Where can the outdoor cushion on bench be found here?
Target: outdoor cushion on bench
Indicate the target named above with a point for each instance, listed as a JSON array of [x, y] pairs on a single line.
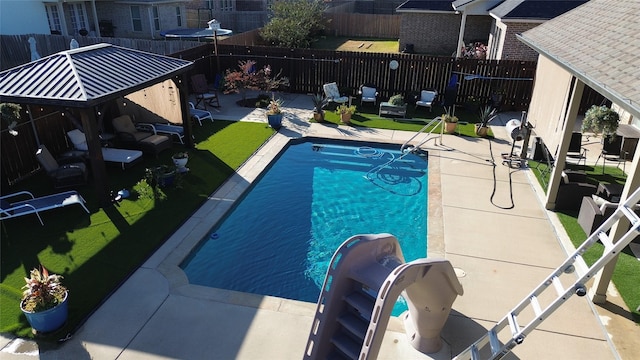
[[164, 129], [123, 157], [33, 205]]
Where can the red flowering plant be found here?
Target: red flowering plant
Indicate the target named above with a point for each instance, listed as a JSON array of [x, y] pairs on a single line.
[[248, 78]]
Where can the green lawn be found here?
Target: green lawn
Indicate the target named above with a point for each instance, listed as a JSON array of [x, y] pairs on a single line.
[[342, 43]]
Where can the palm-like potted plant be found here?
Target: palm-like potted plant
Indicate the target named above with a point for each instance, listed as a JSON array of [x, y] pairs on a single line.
[[274, 113], [601, 120], [44, 300], [486, 114], [345, 112], [319, 102], [450, 122]]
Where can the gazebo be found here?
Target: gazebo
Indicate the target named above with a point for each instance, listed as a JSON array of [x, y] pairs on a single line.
[[84, 78]]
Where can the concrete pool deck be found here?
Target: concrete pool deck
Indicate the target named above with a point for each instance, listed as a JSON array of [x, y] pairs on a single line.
[[487, 220]]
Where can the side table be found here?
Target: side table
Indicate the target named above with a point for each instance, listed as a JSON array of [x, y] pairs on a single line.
[[388, 109]]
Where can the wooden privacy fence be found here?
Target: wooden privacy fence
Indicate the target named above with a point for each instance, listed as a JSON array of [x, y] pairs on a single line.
[[309, 69]]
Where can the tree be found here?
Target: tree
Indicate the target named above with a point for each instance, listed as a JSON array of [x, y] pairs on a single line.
[[294, 23]]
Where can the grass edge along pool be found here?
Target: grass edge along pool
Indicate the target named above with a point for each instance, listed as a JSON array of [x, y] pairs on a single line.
[[278, 238]]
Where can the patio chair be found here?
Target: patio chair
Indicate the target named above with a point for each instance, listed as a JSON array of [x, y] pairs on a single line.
[[368, 94], [146, 141], [612, 151], [427, 97], [333, 93], [123, 157], [576, 150], [199, 114], [65, 172], [32, 205], [204, 94]]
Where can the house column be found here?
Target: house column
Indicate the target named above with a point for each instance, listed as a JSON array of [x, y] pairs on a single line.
[[183, 92], [569, 122], [63, 20], [598, 292], [463, 24], [95, 18]]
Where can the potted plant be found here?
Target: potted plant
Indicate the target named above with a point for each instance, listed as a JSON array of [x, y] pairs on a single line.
[[161, 175], [397, 100], [319, 102], [601, 119], [274, 113], [44, 301], [486, 114], [345, 112], [180, 161], [11, 113], [450, 122]]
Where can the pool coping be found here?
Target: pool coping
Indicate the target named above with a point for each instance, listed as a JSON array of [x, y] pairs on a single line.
[[179, 246]]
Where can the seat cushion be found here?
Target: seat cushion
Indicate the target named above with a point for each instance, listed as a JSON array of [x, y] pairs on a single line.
[[368, 93], [123, 123], [78, 140]]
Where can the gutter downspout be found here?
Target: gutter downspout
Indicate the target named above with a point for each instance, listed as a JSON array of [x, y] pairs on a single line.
[[463, 24]]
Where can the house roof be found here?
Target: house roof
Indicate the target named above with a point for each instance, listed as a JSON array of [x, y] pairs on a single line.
[[533, 9], [425, 6], [87, 76], [597, 43]]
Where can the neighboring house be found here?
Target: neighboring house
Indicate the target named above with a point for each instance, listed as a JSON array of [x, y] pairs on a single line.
[[592, 45], [444, 27], [18, 17], [140, 19], [512, 17]]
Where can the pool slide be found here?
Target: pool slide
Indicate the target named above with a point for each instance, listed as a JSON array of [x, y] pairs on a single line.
[[365, 277]]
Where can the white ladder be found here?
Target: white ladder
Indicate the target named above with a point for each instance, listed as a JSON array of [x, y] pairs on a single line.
[[532, 304]]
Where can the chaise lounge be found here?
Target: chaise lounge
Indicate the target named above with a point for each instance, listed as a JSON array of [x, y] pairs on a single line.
[[145, 141], [34, 205]]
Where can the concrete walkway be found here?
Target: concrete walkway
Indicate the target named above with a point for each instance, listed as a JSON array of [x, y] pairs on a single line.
[[486, 218]]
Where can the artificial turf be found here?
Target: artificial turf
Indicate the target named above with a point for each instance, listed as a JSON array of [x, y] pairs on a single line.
[[96, 252]]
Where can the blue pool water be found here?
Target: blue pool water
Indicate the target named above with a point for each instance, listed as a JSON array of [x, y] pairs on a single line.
[[279, 239]]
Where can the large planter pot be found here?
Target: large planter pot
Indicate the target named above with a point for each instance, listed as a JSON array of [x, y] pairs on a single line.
[[482, 131], [450, 127], [181, 164], [318, 117], [48, 320], [275, 121], [346, 118]]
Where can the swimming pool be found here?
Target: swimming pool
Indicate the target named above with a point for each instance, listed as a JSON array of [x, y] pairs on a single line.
[[279, 238]]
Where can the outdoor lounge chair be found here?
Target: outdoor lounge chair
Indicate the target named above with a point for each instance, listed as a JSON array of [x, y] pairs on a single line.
[[368, 94], [333, 93], [427, 97], [32, 205], [65, 172], [576, 150], [612, 151], [123, 157], [163, 129], [199, 114], [204, 94], [145, 141]]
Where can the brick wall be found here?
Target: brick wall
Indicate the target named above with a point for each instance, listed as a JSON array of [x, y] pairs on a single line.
[[514, 49], [433, 34]]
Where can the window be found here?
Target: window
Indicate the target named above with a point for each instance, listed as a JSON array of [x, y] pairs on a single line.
[[156, 18], [178, 16], [226, 5], [54, 18], [78, 16], [136, 18]]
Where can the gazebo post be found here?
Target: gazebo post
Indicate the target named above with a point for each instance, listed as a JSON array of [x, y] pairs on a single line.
[[99, 170], [181, 85]]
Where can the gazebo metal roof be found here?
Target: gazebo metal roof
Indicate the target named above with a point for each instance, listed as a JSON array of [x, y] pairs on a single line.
[[87, 76]]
